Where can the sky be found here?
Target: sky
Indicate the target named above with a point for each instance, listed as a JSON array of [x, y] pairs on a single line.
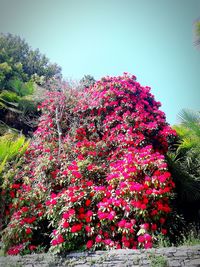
[[152, 39]]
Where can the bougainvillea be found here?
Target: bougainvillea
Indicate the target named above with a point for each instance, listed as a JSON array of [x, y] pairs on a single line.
[[94, 175]]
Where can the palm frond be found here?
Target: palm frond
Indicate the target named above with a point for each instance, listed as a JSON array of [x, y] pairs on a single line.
[[191, 120], [2, 164], [4, 128], [11, 146], [9, 96], [187, 185]]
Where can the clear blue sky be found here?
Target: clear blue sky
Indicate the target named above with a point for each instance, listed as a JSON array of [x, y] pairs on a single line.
[[151, 39]]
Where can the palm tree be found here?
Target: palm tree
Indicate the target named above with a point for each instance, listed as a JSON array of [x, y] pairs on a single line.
[[12, 147], [197, 32], [184, 163]]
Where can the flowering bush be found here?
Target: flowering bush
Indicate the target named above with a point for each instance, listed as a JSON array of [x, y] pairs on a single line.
[[94, 175]]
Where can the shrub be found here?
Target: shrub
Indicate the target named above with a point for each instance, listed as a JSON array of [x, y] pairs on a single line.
[[94, 175]]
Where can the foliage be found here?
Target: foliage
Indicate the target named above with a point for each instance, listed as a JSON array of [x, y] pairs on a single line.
[[21, 69], [197, 32], [20, 88], [18, 110], [12, 147], [94, 175], [184, 164], [191, 237], [87, 81], [25, 63], [158, 261]]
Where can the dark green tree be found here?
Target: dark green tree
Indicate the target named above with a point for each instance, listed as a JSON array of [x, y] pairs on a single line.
[[87, 81], [197, 32], [25, 62], [22, 69], [184, 164]]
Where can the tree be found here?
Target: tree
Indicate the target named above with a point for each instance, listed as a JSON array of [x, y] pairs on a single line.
[[184, 164], [21, 71], [94, 175], [16, 51], [12, 147], [87, 81], [197, 32]]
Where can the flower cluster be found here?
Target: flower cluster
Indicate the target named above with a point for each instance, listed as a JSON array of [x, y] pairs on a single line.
[[95, 171]]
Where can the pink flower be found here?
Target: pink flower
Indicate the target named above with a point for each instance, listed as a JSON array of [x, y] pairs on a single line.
[[77, 174], [148, 245], [111, 215], [89, 213], [147, 237], [88, 228], [98, 239], [108, 242], [54, 242], [141, 239], [66, 215], [144, 226], [71, 212], [122, 223], [60, 239], [102, 215], [90, 167]]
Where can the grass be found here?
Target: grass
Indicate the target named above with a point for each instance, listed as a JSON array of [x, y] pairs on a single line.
[[191, 238], [158, 261], [2, 253], [163, 241]]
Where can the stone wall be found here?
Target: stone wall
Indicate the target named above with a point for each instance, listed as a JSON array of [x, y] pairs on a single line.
[[163, 257]]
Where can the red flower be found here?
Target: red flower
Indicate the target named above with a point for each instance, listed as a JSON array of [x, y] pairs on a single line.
[[77, 174], [88, 202], [162, 220], [12, 194], [16, 186], [154, 227], [32, 247], [40, 213], [88, 228], [164, 231], [28, 231], [76, 228], [89, 244], [24, 209], [81, 210], [54, 201], [60, 239], [65, 224]]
